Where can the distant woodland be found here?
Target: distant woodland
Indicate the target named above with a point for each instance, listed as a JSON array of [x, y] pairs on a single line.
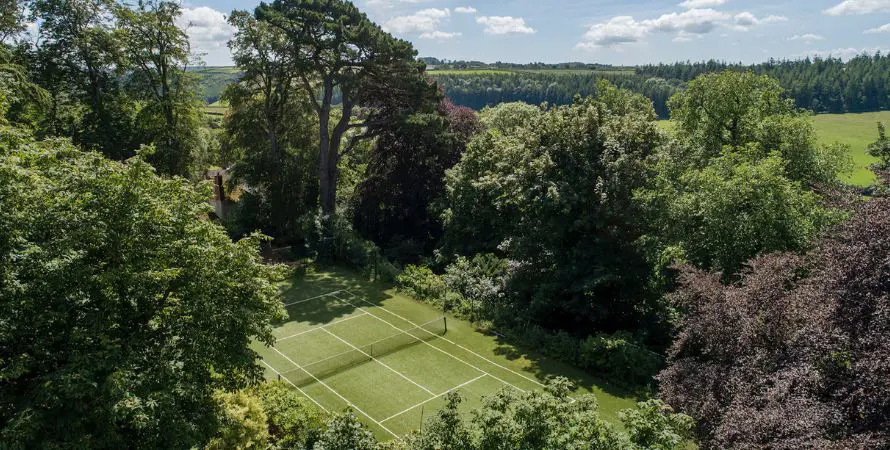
[[823, 85]]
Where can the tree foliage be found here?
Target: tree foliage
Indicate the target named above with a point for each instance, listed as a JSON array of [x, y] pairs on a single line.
[[79, 60], [817, 84], [822, 85], [559, 188], [122, 310], [793, 355], [881, 148], [158, 53], [335, 49], [404, 180], [549, 419], [738, 178], [269, 129]]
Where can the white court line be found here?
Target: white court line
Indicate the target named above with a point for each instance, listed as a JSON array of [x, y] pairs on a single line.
[[295, 386], [431, 345], [337, 394], [431, 399], [312, 298], [379, 361], [319, 328], [446, 340]]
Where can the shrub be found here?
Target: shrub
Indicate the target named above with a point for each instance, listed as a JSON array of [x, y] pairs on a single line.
[[293, 422], [421, 283], [479, 280], [620, 357], [334, 240], [242, 422], [653, 425]]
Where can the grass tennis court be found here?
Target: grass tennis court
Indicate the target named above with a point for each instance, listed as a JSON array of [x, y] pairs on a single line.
[[391, 359]]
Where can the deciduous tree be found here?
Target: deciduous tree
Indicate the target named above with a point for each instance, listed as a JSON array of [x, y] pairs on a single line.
[[404, 181], [795, 354], [121, 309], [159, 52], [79, 58], [553, 191], [338, 52]]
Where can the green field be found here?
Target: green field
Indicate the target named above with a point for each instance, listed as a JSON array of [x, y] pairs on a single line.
[[854, 129], [348, 343]]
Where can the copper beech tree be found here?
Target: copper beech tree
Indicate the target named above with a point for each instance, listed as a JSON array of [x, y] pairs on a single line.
[[797, 353]]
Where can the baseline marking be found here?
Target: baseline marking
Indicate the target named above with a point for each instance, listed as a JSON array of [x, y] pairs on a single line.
[[338, 394], [312, 298], [379, 361], [433, 346], [448, 340], [294, 385], [319, 328], [431, 399]]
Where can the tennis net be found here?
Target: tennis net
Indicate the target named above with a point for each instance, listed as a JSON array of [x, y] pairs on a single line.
[[340, 362]]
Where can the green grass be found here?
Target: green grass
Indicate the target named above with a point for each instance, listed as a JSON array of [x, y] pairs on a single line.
[[856, 130], [400, 388]]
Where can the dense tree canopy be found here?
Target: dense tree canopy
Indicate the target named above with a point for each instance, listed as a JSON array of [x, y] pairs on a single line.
[[794, 355], [559, 187], [549, 419], [122, 309], [404, 184], [564, 218], [269, 131], [158, 52], [737, 178], [334, 48], [79, 60], [820, 84]]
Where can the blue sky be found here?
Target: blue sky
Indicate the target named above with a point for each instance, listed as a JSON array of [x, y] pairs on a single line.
[[602, 31]]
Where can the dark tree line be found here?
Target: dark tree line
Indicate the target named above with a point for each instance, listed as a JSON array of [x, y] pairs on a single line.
[[823, 85], [479, 90], [818, 84]]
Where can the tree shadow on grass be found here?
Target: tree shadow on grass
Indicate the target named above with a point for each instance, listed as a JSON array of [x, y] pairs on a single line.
[[312, 293], [544, 367], [321, 280]]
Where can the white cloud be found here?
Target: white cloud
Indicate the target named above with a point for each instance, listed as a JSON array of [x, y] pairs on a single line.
[[439, 35], [625, 29], [808, 38], [206, 27], [880, 29], [389, 3], [504, 25], [465, 10], [424, 21], [858, 7], [618, 30], [696, 4], [686, 37], [696, 21], [744, 21]]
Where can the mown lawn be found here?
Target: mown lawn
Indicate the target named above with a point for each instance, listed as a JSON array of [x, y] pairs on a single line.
[[856, 130], [331, 297]]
